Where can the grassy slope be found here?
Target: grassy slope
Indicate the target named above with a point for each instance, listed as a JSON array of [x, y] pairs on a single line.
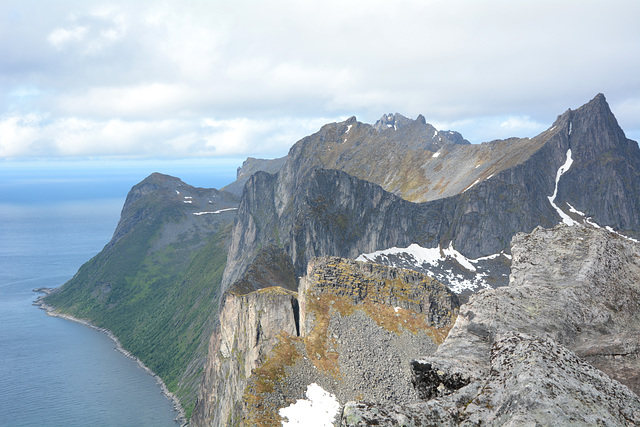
[[160, 303]]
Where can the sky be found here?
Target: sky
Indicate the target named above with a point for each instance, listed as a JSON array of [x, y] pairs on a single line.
[[159, 79]]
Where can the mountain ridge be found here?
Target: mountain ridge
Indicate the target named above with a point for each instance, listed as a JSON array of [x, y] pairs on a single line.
[[479, 220], [179, 253]]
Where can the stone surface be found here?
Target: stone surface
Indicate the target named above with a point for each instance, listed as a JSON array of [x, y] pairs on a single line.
[[248, 330], [360, 324], [540, 351]]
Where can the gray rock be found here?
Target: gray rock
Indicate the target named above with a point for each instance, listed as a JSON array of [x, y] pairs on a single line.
[[539, 351], [476, 196]]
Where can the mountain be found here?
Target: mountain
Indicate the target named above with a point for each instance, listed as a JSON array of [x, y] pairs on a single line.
[[340, 191], [156, 284], [272, 342], [245, 300], [558, 346]]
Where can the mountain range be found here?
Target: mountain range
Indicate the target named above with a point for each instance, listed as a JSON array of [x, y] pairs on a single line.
[[345, 264]]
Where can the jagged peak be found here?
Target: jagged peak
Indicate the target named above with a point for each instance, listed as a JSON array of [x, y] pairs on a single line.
[[392, 121]]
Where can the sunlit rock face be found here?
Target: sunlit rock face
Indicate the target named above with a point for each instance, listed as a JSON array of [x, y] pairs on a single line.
[[559, 345]]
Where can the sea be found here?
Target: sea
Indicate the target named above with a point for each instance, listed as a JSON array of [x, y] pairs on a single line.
[[55, 216]]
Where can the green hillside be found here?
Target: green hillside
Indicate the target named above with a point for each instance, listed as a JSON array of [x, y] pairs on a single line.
[[156, 284]]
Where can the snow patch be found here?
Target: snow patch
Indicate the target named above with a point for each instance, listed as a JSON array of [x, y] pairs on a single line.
[[319, 409], [433, 260], [552, 199], [611, 230], [187, 201], [177, 192], [570, 127], [436, 154], [215, 212], [474, 183], [348, 129]]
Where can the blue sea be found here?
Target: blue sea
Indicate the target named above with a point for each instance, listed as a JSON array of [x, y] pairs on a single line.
[[54, 216]]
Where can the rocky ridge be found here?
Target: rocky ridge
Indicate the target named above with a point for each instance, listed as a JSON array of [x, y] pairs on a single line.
[[248, 330], [549, 349], [311, 211], [359, 324]]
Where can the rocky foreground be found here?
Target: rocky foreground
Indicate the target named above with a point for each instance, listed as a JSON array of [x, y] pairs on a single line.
[[558, 346]]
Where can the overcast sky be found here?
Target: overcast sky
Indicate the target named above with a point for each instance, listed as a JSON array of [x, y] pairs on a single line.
[[182, 79]]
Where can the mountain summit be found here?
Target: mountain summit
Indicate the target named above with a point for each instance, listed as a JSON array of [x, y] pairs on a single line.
[[351, 189]]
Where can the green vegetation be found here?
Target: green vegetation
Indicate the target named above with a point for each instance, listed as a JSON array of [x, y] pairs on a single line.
[[158, 295]]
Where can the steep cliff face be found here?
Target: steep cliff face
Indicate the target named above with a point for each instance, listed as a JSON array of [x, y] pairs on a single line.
[[248, 331], [359, 325], [313, 212], [517, 354]]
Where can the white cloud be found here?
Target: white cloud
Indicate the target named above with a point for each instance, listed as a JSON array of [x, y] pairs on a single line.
[[73, 136], [497, 69], [61, 36]]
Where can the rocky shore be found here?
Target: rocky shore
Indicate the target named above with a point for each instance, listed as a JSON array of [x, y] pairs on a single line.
[[51, 311]]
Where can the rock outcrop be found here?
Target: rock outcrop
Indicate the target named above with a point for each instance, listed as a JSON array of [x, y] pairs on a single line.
[[519, 354], [359, 325], [248, 168]]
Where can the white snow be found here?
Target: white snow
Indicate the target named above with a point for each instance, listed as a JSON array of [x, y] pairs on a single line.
[[611, 230], [592, 223], [215, 212], [477, 166], [348, 129], [396, 309], [582, 214], [570, 127], [177, 192], [419, 256], [435, 132], [436, 154], [319, 409], [474, 183], [187, 201], [389, 125], [565, 167], [462, 260]]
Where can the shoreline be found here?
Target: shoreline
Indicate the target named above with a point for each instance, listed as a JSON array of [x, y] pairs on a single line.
[[51, 311]]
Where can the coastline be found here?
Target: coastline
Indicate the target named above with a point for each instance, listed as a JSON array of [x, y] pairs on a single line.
[[51, 311]]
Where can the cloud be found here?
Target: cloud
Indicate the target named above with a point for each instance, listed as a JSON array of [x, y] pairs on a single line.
[[497, 69], [33, 135]]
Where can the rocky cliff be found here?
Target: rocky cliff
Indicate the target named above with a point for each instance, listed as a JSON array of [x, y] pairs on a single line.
[[552, 348], [249, 329], [495, 190], [355, 326]]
